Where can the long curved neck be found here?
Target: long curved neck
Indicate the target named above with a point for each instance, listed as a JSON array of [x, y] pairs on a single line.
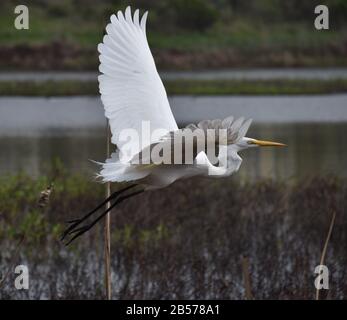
[[229, 162], [229, 159]]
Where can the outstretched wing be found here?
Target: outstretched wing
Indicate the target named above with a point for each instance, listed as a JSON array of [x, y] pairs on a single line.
[[130, 86]]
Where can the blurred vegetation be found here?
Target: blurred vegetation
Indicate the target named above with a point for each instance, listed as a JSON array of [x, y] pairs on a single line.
[[20, 194], [183, 34], [176, 244], [182, 87]]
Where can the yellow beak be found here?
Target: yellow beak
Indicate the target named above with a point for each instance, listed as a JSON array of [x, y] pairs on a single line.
[[263, 143]]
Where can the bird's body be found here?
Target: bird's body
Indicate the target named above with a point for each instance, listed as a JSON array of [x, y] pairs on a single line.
[[160, 176], [156, 173], [141, 121]]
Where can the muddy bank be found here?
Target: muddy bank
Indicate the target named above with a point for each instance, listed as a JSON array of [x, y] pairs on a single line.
[[66, 56]]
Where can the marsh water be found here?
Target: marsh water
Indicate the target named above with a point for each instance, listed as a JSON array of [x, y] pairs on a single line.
[[198, 237], [35, 131]]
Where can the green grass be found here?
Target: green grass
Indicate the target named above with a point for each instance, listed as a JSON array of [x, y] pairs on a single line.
[[240, 32], [255, 87], [235, 41], [182, 87], [247, 35], [45, 28]]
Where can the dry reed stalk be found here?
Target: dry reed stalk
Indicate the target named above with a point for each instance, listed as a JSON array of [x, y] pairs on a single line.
[[246, 278], [326, 246], [107, 232]]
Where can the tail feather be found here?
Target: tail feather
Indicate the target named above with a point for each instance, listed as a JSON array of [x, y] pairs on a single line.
[[115, 171]]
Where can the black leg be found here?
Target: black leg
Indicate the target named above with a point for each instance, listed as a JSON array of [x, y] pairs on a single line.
[[81, 230], [76, 222]]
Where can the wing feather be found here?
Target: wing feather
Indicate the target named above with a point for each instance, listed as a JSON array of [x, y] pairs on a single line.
[[130, 87]]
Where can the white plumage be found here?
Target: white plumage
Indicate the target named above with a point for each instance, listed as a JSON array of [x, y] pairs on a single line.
[[132, 92], [130, 86]]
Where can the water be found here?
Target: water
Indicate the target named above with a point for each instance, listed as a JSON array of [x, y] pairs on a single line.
[[33, 131]]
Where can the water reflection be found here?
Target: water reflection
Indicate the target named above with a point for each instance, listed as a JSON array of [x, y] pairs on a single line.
[[312, 149]]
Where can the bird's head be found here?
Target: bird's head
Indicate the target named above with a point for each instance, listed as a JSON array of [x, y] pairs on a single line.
[[245, 143]]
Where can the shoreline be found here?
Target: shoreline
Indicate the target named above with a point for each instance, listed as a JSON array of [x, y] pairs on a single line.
[[312, 73], [182, 87]]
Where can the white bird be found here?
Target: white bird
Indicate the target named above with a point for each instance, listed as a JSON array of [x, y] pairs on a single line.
[[133, 93]]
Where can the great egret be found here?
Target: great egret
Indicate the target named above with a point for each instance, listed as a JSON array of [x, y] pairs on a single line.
[[132, 92]]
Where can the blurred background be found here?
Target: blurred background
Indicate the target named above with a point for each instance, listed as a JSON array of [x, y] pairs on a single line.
[[262, 59], [184, 35]]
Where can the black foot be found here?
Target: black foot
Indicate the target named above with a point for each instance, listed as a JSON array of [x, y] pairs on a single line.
[[75, 222], [76, 232]]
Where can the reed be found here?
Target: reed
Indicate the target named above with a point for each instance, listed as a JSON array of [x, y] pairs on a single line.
[[107, 232], [326, 246], [186, 246], [246, 278]]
